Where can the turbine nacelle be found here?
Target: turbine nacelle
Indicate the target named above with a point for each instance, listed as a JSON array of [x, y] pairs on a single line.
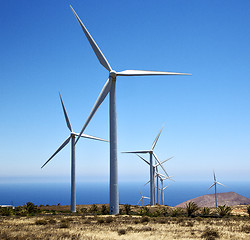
[[73, 134], [113, 74]]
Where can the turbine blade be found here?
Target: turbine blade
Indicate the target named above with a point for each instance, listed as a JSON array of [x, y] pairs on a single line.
[[221, 184], [163, 161], [93, 44], [58, 150], [214, 176], [146, 197], [147, 73], [92, 137], [165, 188], [65, 114], [156, 139], [101, 97], [147, 182], [143, 159], [138, 152], [160, 163], [139, 201], [212, 185]]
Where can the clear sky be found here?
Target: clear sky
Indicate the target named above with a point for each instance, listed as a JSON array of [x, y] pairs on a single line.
[[43, 51]]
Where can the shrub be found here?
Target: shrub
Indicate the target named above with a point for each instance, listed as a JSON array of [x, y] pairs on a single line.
[[30, 207], [145, 219], [121, 231], [205, 211], [6, 211], [100, 220], [109, 219], [210, 234], [245, 228], [144, 211], [164, 212], [176, 212], [145, 229], [191, 208], [64, 223], [104, 210], [52, 221], [127, 209], [83, 210], [224, 210], [93, 209], [248, 210], [41, 222]]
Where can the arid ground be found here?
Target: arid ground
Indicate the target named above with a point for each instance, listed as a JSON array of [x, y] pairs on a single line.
[[53, 224]]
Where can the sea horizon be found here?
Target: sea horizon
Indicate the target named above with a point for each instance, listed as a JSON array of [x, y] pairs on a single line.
[[55, 193]]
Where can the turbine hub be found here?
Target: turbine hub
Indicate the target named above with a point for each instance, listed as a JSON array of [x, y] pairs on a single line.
[[73, 134], [112, 74]]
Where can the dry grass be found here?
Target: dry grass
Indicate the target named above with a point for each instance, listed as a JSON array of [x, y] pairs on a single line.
[[53, 227]]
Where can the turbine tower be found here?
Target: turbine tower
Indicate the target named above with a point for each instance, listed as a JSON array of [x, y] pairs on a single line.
[[141, 200], [72, 138], [110, 87], [215, 190], [152, 167]]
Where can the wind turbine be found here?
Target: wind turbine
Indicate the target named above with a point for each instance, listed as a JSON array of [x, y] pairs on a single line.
[[110, 87], [152, 168], [215, 192], [156, 175], [141, 200], [162, 178], [72, 138]]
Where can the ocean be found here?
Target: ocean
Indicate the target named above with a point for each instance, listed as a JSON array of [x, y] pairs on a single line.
[[98, 193]]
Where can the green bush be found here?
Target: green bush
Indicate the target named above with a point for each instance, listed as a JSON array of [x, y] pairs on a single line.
[[176, 212], [144, 211], [6, 211], [224, 210], [83, 210], [93, 209], [30, 207], [191, 208], [205, 211], [127, 209], [104, 210]]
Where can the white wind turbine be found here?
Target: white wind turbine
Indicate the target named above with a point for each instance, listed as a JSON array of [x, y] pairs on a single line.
[[215, 190], [152, 167], [110, 87], [72, 137], [162, 178], [141, 200]]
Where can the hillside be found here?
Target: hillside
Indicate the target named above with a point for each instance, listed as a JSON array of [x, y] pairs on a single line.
[[229, 199]]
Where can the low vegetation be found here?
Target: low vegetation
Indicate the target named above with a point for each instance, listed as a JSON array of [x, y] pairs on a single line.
[[134, 222]]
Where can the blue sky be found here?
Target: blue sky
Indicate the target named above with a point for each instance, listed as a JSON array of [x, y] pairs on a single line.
[[206, 116]]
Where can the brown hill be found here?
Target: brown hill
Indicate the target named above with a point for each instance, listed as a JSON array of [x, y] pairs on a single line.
[[229, 199]]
